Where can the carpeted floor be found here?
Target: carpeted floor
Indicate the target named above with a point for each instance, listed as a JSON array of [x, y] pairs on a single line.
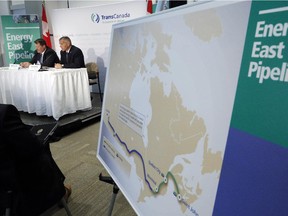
[[75, 154]]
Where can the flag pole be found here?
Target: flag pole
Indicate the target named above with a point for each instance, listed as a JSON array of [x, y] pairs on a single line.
[[45, 27]]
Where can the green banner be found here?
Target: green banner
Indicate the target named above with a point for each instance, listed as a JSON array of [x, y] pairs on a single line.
[[19, 33], [261, 102]]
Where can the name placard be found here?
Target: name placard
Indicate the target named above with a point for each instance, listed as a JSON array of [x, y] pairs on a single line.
[[34, 67], [14, 66]]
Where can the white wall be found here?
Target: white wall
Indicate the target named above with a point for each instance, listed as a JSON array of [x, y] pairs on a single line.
[[17, 2], [74, 3], [4, 8], [57, 4]]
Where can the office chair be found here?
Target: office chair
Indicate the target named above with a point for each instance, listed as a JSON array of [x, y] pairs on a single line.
[[93, 75]]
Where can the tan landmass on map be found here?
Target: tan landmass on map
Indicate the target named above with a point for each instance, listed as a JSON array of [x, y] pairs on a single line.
[[204, 24], [211, 161]]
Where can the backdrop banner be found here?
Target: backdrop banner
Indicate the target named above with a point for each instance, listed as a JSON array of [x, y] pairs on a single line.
[[89, 28], [19, 32]]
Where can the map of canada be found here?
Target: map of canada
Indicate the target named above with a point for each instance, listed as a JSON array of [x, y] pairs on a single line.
[[167, 109]]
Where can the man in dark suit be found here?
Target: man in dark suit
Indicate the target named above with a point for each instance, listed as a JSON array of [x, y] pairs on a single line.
[[27, 168], [43, 55], [71, 56]]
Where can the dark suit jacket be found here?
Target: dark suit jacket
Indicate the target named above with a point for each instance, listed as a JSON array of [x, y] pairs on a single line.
[[75, 58], [26, 167], [49, 59]]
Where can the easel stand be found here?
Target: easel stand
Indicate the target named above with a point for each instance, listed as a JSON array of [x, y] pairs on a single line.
[[109, 180]]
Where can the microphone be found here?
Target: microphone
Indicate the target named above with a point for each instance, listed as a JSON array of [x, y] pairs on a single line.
[[45, 60]]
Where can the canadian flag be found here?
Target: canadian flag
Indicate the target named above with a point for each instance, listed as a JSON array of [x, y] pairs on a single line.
[[149, 7], [45, 29]]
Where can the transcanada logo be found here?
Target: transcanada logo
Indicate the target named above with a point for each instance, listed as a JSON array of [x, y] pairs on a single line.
[[96, 17]]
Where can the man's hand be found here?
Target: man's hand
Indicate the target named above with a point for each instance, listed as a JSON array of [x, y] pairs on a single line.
[[58, 66], [25, 64]]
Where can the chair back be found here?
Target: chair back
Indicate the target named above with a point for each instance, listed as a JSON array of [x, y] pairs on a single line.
[[93, 76], [92, 70]]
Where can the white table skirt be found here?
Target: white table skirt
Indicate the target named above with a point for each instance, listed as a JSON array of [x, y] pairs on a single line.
[[52, 93]]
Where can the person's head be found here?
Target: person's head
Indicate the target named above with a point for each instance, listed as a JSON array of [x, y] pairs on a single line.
[[40, 45], [65, 43]]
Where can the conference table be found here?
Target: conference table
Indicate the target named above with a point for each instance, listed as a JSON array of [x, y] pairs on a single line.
[[55, 92]]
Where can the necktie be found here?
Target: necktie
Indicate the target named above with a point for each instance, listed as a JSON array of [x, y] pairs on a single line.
[[67, 57], [41, 59]]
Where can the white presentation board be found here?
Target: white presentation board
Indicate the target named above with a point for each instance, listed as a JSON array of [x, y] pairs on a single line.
[[90, 28], [169, 95]]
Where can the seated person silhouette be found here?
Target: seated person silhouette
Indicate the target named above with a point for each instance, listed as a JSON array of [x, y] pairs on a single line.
[[43, 55], [27, 168]]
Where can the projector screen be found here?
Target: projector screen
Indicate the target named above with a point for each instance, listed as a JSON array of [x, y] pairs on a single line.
[[169, 99]]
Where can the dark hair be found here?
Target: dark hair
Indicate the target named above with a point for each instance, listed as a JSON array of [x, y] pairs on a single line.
[[40, 41], [66, 38]]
